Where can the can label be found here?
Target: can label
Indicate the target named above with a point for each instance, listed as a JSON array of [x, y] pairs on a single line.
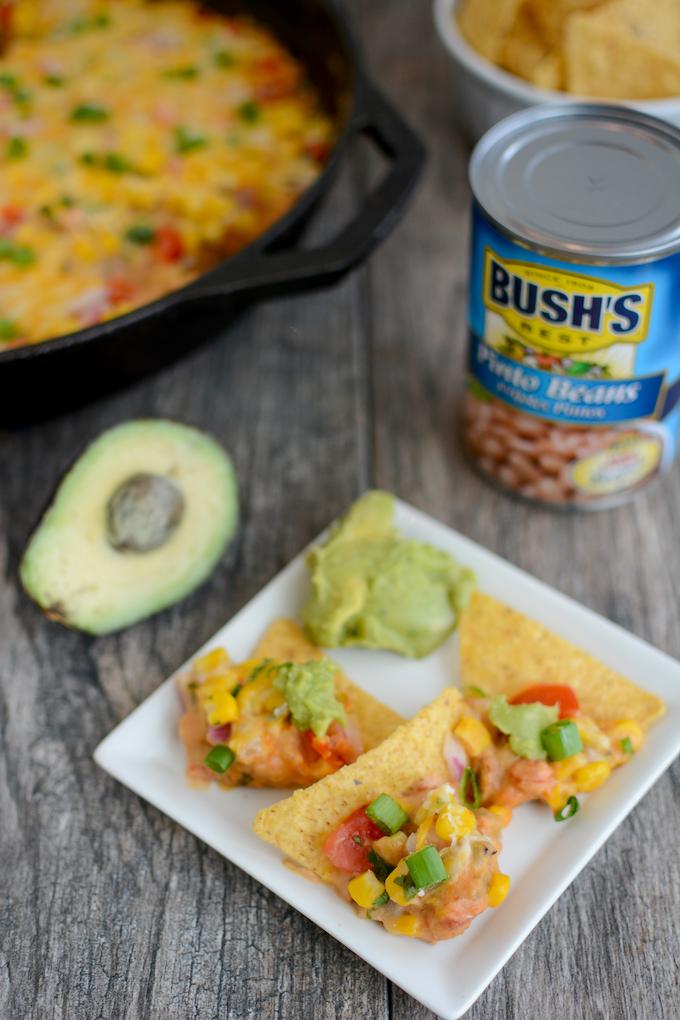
[[574, 372]]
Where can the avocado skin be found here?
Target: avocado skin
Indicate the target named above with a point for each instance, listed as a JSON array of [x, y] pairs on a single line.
[[69, 567]]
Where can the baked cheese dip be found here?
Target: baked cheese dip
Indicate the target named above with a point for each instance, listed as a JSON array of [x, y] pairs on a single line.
[[140, 144]]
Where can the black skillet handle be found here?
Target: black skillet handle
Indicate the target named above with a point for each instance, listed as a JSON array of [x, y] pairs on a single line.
[[264, 274]]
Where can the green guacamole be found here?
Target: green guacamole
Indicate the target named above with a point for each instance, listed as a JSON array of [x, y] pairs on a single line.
[[310, 695], [375, 588], [523, 724]]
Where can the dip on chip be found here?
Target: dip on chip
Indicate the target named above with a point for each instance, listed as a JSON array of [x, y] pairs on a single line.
[[618, 49], [285, 717]]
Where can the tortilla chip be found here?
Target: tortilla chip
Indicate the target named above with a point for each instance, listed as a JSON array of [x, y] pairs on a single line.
[[604, 57], [523, 48], [548, 74], [485, 25], [284, 641], [655, 24], [299, 824], [503, 652], [549, 16]]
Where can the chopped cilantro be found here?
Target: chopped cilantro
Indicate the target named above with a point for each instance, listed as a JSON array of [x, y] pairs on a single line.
[[141, 233], [249, 112], [17, 148], [89, 113], [181, 73], [223, 58], [187, 140]]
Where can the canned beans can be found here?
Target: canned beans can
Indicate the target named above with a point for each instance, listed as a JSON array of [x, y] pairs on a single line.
[[573, 393]]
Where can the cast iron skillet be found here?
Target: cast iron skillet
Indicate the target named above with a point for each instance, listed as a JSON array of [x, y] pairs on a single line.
[[42, 379]]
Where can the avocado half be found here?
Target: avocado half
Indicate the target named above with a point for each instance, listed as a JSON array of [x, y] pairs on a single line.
[[139, 521]]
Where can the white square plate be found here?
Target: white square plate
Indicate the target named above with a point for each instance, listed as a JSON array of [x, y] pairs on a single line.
[[542, 858]]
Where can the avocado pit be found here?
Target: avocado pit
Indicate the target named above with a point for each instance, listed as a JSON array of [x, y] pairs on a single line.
[[143, 512]]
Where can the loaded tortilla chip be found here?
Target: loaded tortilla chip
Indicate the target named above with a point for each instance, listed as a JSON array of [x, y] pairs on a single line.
[[557, 720], [399, 832], [285, 717]]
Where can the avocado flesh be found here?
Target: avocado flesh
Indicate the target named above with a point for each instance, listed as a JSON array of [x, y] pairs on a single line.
[[74, 572]]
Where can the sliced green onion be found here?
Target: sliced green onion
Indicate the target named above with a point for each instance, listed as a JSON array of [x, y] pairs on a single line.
[[187, 140], [8, 80], [220, 758], [55, 80], [381, 868], [141, 233], [187, 73], [426, 868], [89, 113], [567, 810], [469, 789], [381, 900], [561, 739], [17, 148], [249, 112], [237, 690], [224, 58], [627, 746], [387, 814]]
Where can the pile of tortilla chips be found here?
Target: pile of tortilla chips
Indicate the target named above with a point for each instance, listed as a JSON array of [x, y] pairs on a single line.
[[610, 49]]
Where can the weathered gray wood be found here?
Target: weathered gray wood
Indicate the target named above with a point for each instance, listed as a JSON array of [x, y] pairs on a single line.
[[109, 909]]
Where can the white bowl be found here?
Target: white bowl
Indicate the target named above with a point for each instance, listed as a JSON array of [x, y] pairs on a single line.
[[486, 94]]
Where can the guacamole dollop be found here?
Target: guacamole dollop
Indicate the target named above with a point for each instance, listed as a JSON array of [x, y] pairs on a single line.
[[523, 724], [310, 694], [373, 587]]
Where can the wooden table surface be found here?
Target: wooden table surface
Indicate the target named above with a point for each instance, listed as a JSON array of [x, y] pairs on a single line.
[[109, 910]]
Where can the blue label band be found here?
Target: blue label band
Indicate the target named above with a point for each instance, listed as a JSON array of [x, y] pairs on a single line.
[[562, 397]]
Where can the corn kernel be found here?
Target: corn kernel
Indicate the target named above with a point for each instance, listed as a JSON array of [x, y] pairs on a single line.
[[456, 823], [212, 661], [563, 769], [589, 777], [397, 892], [221, 707], [407, 924], [557, 797], [499, 889], [365, 889], [473, 735], [503, 812], [630, 729]]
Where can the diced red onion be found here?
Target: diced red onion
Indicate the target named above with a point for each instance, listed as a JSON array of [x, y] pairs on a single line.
[[455, 757], [219, 734]]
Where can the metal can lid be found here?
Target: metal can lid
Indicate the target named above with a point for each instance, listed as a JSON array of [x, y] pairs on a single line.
[[583, 181]]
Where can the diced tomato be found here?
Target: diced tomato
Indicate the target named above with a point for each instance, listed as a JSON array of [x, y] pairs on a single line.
[[167, 245], [347, 846], [6, 15], [10, 215], [120, 290], [318, 150], [335, 747], [550, 694]]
